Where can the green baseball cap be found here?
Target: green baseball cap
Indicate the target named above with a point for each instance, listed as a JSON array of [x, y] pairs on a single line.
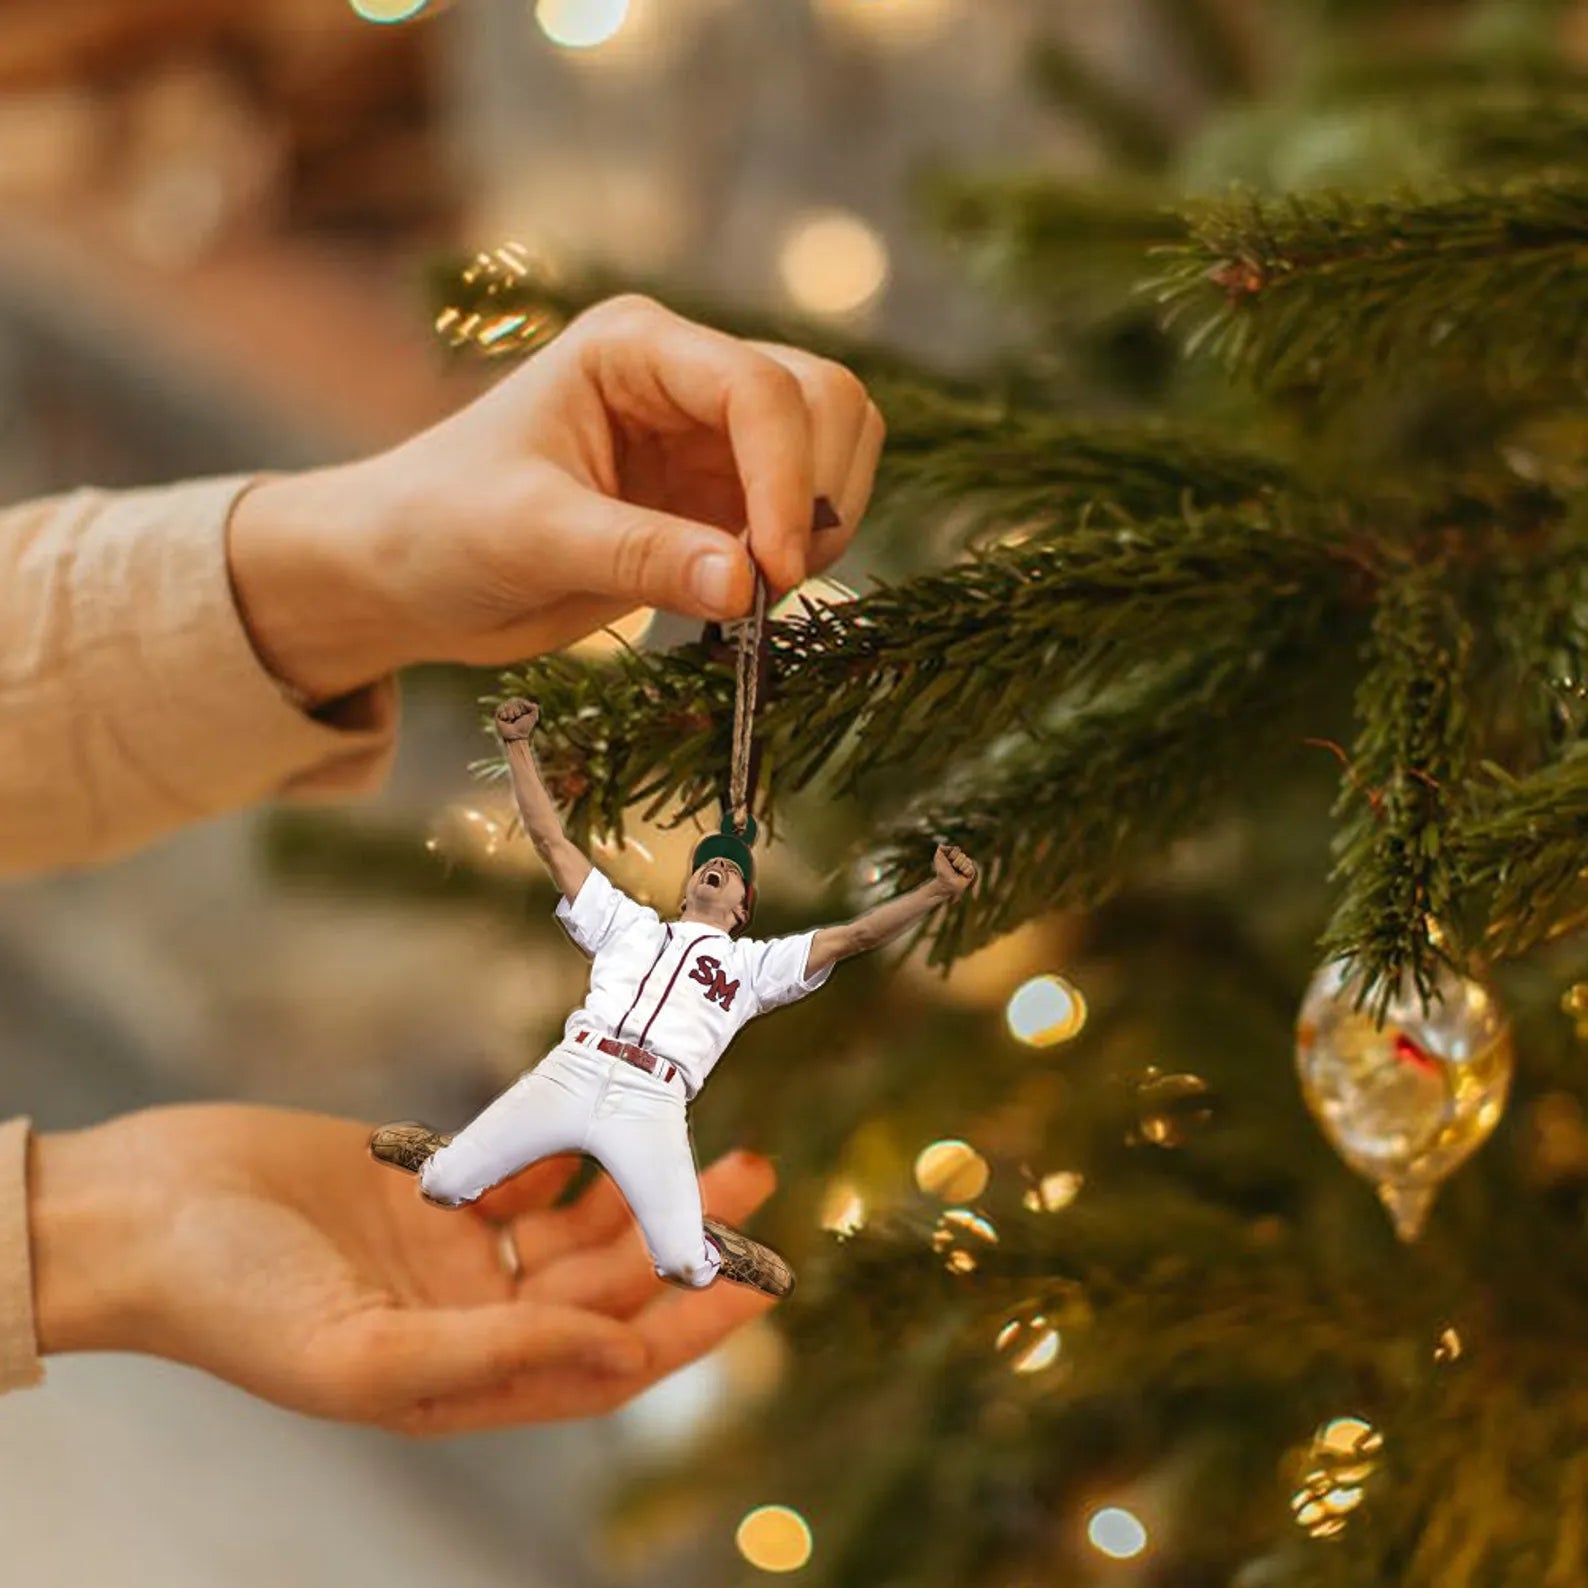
[[728, 845]]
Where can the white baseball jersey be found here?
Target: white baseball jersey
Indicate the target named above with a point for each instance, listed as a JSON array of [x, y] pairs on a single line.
[[680, 989]]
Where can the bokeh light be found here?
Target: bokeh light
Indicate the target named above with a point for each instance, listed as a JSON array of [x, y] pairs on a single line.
[[833, 263], [951, 1170], [623, 634], [1343, 1455], [466, 833], [388, 10], [1054, 1192], [843, 1209], [896, 22], [774, 1538], [1172, 1108], [962, 1237], [581, 24], [1028, 1341], [1044, 1011], [1115, 1532]]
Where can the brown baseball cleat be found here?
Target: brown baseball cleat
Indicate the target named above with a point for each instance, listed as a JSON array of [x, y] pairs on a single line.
[[408, 1146], [748, 1262]]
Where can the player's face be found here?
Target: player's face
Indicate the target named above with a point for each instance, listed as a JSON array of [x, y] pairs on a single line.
[[717, 884]]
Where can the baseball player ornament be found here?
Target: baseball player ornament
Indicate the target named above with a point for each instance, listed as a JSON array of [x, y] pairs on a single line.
[[666, 999]]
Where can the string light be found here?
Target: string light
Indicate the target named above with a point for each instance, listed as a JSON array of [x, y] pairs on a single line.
[[1342, 1457], [502, 276], [1574, 1002], [622, 634], [1115, 1532], [581, 24], [385, 11], [1054, 1192], [833, 263], [1172, 1108], [775, 1538], [1029, 1341], [461, 832], [1044, 1011], [1449, 1348], [843, 1209], [961, 1237], [952, 1170]]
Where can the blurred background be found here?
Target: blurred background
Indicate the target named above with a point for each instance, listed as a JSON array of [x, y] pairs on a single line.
[[220, 233], [216, 223]]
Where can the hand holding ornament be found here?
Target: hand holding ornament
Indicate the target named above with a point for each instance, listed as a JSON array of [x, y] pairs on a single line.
[[637, 460]]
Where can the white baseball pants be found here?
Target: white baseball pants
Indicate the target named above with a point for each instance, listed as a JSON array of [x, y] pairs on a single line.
[[634, 1124]]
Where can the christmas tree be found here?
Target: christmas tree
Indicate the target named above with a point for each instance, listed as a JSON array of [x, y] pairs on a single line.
[[1233, 618]]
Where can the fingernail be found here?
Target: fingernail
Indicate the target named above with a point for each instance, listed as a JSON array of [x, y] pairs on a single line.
[[826, 515], [712, 579]]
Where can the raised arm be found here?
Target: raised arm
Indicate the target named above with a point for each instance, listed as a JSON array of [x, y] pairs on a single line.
[[953, 872], [515, 723]]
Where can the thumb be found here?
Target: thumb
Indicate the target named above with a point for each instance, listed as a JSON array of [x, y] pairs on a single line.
[[601, 545], [413, 1354]]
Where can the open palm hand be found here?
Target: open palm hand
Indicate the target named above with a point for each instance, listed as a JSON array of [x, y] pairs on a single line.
[[276, 1254]]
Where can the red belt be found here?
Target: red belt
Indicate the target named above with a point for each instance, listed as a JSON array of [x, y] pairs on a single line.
[[638, 1057]]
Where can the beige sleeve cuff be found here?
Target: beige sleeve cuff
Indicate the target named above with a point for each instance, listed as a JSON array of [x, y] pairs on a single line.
[[20, 1366], [133, 700]]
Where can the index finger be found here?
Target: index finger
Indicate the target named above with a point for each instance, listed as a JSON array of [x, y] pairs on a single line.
[[724, 383]]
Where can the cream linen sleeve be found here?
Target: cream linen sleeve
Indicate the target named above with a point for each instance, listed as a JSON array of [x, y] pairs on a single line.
[[131, 699], [19, 1353]]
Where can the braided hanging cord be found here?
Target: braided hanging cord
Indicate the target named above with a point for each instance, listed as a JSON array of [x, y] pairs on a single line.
[[749, 634]]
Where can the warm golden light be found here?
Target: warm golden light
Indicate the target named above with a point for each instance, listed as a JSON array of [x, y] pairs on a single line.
[[816, 592], [388, 10], [1044, 1011], [1029, 1342], [961, 1236], [774, 1538], [1349, 1436], [895, 22], [1342, 1457], [461, 832], [951, 1170], [581, 24], [1114, 1532], [833, 263], [624, 633], [1054, 1192], [1173, 1108], [843, 1208]]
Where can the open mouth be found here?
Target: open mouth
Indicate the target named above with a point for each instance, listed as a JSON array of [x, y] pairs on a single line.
[[714, 878]]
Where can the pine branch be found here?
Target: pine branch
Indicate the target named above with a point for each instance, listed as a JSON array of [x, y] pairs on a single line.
[[1076, 814], [1399, 798], [1523, 851], [895, 683], [1003, 468], [1326, 295], [1042, 238]]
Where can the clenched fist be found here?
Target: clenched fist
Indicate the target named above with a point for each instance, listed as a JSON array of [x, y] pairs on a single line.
[[954, 869], [516, 719]]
